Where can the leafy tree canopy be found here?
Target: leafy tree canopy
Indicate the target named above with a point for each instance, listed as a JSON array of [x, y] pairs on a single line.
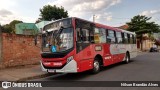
[[141, 25], [49, 13], [10, 28]]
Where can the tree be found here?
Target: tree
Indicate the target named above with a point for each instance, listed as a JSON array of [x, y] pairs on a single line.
[[37, 21], [49, 13], [6, 28], [0, 28], [10, 28], [13, 23], [141, 25]]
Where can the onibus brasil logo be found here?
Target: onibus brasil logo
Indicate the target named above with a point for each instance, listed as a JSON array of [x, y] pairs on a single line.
[[6, 84]]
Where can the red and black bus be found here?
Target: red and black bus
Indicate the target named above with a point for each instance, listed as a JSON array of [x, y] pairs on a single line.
[[75, 45]]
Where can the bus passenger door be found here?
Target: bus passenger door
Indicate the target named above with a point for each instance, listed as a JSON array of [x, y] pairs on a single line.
[[83, 48], [84, 31]]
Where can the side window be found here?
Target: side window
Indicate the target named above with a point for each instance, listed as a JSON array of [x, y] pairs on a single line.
[[119, 37], [111, 37], [134, 40], [79, 36], [131, 39], [125, 38], [103, 35], [83, 35], [96, 35], [84, 31], [99, 35]]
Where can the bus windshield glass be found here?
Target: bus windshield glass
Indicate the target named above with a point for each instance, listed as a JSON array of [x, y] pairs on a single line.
[[57, 39]]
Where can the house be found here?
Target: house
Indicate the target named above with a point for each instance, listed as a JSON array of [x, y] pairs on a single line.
[[30, 28], [125, 27], [26, 28], [41, 24]]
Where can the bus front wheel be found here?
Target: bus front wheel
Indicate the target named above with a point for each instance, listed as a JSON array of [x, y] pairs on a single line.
[[96, 66]]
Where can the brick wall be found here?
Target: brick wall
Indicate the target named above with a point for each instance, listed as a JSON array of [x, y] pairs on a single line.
[[0, 44], [19, 50]]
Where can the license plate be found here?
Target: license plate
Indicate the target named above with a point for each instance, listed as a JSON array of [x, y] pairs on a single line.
[[51, 70]]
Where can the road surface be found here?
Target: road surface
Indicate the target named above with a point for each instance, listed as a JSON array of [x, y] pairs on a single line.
[[145, 67]]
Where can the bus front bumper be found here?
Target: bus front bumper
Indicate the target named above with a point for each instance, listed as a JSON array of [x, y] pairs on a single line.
[[70, 67]]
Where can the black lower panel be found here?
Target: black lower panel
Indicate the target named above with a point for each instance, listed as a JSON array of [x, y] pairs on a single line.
[[56, 54]]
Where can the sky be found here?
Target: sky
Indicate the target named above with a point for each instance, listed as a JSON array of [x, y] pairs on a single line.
[[109, 12]]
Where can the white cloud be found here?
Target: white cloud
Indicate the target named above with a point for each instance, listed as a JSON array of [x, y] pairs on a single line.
[[102, 17], [86, 8], [114, 2], [150, 12], [5, 13], [76, 8], [7, 16]]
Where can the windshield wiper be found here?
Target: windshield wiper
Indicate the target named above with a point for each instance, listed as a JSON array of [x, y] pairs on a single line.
[[58, 33], [54, 40]]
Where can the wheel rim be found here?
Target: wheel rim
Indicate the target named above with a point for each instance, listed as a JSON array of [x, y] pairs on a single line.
[[127, 59], [96, 65]]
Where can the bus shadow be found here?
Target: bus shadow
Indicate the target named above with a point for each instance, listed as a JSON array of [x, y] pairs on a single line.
[[115, 65], [82, 75]]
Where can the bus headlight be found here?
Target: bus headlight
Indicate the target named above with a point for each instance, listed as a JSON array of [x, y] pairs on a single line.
[[69, 59]]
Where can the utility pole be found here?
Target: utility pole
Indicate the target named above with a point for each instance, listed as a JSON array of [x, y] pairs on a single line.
[[94, 17]]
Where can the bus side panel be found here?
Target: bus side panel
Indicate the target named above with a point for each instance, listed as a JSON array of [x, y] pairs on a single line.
[[118, 57], [86, 64], [85, 58], [118, 52], [121, 57], [133, 52], [107, 57]]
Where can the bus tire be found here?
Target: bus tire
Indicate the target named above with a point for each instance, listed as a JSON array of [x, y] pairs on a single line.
[[127, 58], [96, 66]]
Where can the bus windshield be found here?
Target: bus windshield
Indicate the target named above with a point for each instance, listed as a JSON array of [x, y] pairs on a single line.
[[57, 40]]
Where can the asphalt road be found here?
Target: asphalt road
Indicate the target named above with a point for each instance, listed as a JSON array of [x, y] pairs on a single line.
[[145, 67]]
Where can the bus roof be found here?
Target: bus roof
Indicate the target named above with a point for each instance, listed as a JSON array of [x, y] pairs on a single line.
[[98, 25], [107, 27]]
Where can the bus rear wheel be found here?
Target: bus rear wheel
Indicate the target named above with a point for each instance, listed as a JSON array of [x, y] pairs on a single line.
[[127, 58], [96, 66]]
